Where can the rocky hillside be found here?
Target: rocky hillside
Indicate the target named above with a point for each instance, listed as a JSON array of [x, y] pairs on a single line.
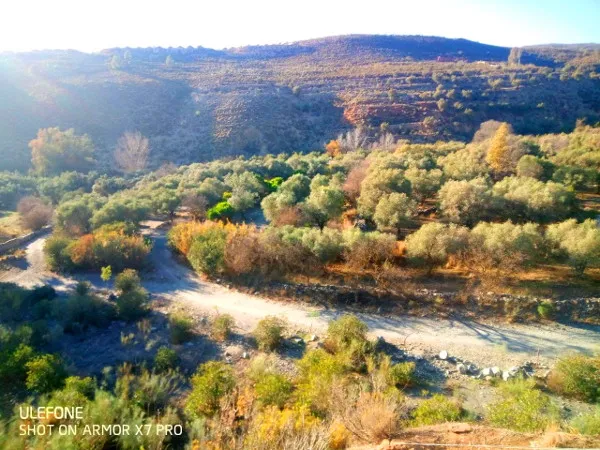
[[196, 103]]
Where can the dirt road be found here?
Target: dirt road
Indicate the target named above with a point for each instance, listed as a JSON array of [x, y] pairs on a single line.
[[489, 343]]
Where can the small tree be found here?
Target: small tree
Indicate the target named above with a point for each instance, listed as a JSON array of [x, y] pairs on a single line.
[[196, 204], [106, 273], [211, 382], [269, 333], [498, 156], [578, 243], [55, 151], [131, 154], [434, 243], [45, 373], [34, 212], [394, 211]]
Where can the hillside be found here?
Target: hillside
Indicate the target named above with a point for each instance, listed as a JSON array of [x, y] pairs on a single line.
[[198, 104]]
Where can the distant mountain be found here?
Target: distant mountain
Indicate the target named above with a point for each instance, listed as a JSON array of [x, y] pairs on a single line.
[[196, 103]]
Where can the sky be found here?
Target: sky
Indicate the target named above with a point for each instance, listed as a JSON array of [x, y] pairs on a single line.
[[92, 25]]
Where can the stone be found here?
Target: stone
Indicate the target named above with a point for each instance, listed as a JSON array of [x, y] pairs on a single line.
[[298, 340], [462, 368], [245, 355], [313, 338], [507, 375], [443, 355], [486, 372], [496, 371]]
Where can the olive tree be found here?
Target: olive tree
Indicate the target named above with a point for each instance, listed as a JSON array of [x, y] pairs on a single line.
[[578, 243], [378, 182], [434, 243], [465, 202], [394, 211]]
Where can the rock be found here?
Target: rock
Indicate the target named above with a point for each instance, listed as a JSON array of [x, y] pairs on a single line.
[[443, 355], [506, 375], [496, 371], [298, 340], [227, 353], [486, 372], [460, 428], [245, 355], [462, 368], [313, 338]]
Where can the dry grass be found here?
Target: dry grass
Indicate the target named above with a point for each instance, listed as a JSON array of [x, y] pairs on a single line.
[[10, 225]]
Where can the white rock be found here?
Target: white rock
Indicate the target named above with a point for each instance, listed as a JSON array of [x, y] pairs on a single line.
[[496, 371], [313, 338], [462, 368], [507, 375], [486, 372], [443, 355], [245, 355]]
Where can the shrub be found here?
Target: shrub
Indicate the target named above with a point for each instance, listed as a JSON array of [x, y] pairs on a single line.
[[45, 373], [347, 337], [318, 370], [34, 212], [372, 417], [437, 409], [465, 202], [181, 328], [56, 251], [132, 305], [165, 359], [522, 407], [273, 389], [211, 381], [221, 327], [546, 310], [83, 309], [367, 250], [434, 243], [587, 423], [577, 376], [127, 281], [402, 374], [578, 243], [222, 210], [207, 251], [269, 333]]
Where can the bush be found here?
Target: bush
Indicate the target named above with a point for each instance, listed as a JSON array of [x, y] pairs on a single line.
[[132, 305], [34, 212], [546, 310], [347, 337], [578, 243], [222, 210], [83, 309], [577, 376], [522, 407], [221, 327], [318, 371], [211, 381], [127, 281], [207, 251], [181, 328], [56, 251], [165, 359], [269, 333], [273, 389], [437, 409], [45, 373], [587, 423]]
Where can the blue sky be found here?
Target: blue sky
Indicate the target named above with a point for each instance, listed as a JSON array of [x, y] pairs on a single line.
[[91, 25]]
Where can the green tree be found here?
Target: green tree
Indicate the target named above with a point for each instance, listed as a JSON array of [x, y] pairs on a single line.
[[434, 243], [465, 202], [394, 211], [578, 243], [106, 273], [54, 151], [45, 373], [210, 383]]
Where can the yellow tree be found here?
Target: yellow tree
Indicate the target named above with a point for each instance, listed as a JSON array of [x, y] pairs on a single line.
[[498, 155]]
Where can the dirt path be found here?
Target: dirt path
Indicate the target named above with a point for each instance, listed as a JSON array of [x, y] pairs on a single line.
[[483, 343]]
